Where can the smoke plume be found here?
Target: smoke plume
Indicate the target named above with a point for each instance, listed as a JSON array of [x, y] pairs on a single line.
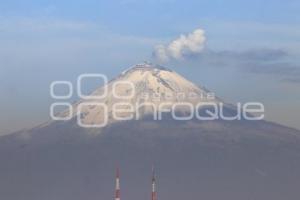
[[181, 47]]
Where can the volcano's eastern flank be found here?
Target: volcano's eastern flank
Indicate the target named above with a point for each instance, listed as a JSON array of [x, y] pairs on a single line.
[[194, 159]]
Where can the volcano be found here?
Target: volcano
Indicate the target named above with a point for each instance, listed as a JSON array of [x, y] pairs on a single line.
[[142, 91], [210, 159]]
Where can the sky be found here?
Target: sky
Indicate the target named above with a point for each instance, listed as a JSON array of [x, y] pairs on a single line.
[[251, 50]]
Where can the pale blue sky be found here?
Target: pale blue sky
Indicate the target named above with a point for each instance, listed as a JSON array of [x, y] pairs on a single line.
[[251, 53]]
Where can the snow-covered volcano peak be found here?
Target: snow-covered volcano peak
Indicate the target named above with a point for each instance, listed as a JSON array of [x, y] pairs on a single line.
[[151, 78], [146, 66], [143, 88]]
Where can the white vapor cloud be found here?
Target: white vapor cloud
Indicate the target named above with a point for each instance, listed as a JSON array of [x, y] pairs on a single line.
[[192, 43]]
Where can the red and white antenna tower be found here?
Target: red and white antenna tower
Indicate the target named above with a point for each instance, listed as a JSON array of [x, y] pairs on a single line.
[[153, 194], [117, 189]]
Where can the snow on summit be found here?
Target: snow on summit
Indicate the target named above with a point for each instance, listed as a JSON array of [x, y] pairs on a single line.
[[138, 91]]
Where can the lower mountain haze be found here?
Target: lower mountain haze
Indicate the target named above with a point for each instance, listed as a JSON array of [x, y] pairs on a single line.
[[194, 159]]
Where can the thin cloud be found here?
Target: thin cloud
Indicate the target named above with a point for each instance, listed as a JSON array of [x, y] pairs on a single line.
[[275, 62], [27, 24], [287, 72]]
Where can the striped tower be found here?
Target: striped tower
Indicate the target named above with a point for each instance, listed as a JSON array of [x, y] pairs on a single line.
[[117, 189], [153, 194]]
